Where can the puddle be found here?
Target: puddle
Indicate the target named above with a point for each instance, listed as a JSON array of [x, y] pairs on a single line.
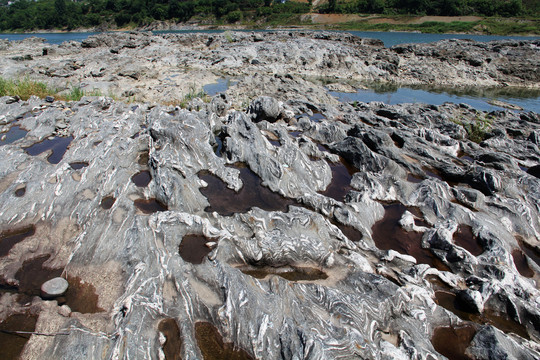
[[32, 275], [10, 238], [520, 260], [58, 145], [107, 202], [80, 297], [150, 206], [142, 178], [340, 185], [193, 248], [389, 235], [12, 343], [465, 238], [78, 165], [13, 134], [173, 341], [227, 202], [414, 179], [212, 347], [221, 86], [20, 192], [448, 300], [291, 273], [143, 158], [452, 341]]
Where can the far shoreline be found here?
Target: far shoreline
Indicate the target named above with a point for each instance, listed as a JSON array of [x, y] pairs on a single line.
[[390, 25]]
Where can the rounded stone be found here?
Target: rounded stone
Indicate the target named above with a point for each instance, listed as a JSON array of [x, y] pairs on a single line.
[[54, 287]]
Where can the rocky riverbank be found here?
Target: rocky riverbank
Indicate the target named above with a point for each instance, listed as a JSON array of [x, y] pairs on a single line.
[[270, 221], [166, 68]]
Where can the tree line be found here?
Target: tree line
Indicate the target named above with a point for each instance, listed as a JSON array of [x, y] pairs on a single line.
[[504, 8], [66, 14]]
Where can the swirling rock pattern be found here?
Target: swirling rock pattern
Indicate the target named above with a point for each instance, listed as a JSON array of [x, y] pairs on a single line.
[[358, 302]]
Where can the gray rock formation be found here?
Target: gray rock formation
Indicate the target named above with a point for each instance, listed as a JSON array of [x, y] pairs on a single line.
[[54, 287], [358, 230]]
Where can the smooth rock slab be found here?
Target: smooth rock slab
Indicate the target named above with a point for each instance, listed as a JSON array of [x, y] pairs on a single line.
[[54, 288]]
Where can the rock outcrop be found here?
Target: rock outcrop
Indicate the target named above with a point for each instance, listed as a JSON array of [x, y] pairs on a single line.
[[287, 228]]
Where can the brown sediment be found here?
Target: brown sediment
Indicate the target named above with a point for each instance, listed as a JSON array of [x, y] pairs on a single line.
[[13, 336], [150, 206], [33, 274], [291, 273], [10, 238], [522, 265], [452, 341], [173, 341], [227, 202], [340, 185], [389, 235], [465, 238], [81, 297], [212, 347], [193, 248]]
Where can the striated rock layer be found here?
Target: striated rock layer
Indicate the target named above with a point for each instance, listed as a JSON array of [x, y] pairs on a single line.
[[289, 229]]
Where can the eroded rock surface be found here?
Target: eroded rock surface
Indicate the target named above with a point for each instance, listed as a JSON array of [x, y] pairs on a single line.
[[167, 67], [304, 281]]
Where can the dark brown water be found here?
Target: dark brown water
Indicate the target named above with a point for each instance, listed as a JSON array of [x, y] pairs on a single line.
[[173, 341], [350, 232], [11, 343], [58, 145], [193, 248], [227, 202], [150, 206], [212, 347], [465, 238], [9, 238], [340, 185], [107, 202], [142, 178], [78, 165], [13, 134], [81, 297], [448, 300], [292, 274], [389, 235], [530, 251], [33, 274], [522, 265], [452, 341]]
